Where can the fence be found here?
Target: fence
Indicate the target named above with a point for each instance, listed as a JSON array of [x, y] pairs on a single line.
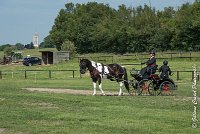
[[102, 58], [49, 72], [26, 73], [142, 56], [178, 74]]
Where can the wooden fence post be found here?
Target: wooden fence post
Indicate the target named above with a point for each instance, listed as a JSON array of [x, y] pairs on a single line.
[[177, 75], [49, 74], [112, 59], [73, 73], [25, 74], [192, 75], [171, 57], [0, 74], [80, 74]]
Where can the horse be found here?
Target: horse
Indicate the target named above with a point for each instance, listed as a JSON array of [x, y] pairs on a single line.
[[114, 72]]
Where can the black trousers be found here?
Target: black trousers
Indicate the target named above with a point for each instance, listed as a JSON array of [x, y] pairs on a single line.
[[146, 71]]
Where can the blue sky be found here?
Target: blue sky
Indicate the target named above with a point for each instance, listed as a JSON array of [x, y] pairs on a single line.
[[20, 19]]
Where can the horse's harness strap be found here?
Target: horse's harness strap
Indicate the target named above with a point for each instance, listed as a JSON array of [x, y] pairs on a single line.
[[103, 69]]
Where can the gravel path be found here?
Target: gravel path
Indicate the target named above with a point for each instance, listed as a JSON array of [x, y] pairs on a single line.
[[71, 91], [2, 130]]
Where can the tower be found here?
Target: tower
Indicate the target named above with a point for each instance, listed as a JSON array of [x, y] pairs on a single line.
[[36, 40]]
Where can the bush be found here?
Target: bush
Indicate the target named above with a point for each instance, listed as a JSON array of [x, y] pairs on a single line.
[[69, 46]]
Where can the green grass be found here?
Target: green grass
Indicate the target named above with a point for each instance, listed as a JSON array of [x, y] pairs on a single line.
[[22, 111]]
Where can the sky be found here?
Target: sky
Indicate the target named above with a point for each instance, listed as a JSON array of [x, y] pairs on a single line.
[[21, 19]]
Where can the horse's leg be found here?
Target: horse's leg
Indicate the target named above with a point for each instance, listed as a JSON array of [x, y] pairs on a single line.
[[94, 86], [100, 86], [120, 87]]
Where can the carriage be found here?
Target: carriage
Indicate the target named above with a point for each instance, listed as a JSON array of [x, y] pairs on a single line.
[[152, 85]]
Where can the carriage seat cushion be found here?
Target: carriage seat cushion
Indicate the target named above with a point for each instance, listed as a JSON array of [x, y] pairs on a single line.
[[154, 76]]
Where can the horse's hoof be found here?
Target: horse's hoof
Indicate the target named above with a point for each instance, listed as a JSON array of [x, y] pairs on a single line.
[[120, 94], [103, 94], [94, 94]]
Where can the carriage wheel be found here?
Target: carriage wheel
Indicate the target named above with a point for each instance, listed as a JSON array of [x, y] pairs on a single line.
[[153, 89], [166, 88], [143, 86]]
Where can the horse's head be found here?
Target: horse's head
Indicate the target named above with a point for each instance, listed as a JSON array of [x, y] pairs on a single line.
[[83, 65]]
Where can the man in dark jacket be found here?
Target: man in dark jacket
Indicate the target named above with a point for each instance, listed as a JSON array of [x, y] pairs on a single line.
[[165, 70], [151, 65]]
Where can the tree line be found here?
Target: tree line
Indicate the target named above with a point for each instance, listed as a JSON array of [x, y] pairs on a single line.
[[8, 48], [96, 27]]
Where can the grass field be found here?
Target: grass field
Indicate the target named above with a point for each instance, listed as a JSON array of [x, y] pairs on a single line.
[[22, 111]]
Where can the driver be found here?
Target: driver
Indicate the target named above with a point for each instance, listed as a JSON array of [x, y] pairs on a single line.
[[151, 65]]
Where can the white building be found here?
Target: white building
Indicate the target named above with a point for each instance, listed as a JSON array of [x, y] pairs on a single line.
[[36, 40]]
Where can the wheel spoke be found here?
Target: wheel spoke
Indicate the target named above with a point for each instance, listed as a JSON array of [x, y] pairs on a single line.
[[166, 88], [143, 87]]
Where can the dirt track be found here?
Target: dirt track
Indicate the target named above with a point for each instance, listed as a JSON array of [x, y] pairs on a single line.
[[90, 92], [1, 130], [72, 91]]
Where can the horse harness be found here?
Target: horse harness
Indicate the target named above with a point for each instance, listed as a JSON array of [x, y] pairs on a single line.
[[105, 70]]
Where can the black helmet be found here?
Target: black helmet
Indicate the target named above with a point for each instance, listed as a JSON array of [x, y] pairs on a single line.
[[165, 62], [152, 52]]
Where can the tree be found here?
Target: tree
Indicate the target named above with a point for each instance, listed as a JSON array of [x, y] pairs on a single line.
[[47, 43], [63, 27], [69, 46], [4, 46], [187, 33], [19, 46], [29, 46], [8, 50], [95, 27]]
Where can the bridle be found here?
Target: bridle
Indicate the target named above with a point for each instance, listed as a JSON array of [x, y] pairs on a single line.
[[83, 67]]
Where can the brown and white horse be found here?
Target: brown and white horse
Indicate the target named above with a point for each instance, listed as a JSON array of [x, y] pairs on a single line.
[[98, 70]]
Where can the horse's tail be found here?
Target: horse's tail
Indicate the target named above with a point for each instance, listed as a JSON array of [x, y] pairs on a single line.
[[126, 83]]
